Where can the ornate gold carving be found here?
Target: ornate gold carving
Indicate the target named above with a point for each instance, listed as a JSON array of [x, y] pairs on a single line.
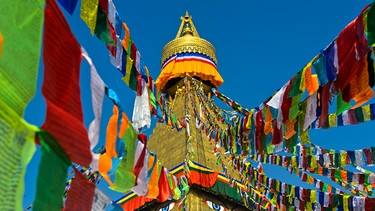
[[188, 44]]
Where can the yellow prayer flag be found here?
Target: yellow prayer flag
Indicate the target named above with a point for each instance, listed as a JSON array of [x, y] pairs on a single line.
[[304, 136], [332, 120], [294, 161], [309, 206], [343, 155], [89, 11], [366, 113], [346, 204], [313, 163], [313, 196], [129, 65], [303, 82], [248, 123]]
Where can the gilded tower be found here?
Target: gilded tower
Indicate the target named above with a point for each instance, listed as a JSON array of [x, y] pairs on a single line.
[[181, 142], [187, 55], [188, 61]]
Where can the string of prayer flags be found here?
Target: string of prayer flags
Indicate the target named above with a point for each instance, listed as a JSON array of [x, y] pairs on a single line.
[[230, 102], [52, 173], [61, 89]]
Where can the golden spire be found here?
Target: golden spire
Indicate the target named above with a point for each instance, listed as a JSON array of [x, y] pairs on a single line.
[[188, 41], [187, 25]]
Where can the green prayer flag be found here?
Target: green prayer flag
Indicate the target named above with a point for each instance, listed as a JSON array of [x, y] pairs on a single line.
[[371, 25], [359, 114], [342, 105], [52, 174], [294, 108], [17, 148], [21, 27], [102, 28], [125, 179], [294, 88]]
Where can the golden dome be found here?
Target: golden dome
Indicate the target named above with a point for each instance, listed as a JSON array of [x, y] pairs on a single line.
[[188, 42]]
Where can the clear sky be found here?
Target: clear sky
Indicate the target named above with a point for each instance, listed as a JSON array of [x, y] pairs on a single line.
[[260, 45]]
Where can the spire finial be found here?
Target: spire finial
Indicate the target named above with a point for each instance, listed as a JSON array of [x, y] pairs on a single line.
[[187, 14], [187, 27]]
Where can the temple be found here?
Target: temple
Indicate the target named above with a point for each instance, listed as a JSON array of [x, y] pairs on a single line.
[[194, 163]]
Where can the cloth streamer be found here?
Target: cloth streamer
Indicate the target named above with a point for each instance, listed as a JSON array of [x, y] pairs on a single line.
[[97, 94], [17, 147], [52, 173], [125, 178], [20, 21], [89, 11], [62, 58], [141, 113], [80, 194]]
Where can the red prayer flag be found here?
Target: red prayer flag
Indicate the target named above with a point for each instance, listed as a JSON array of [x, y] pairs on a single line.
[[62, 58], [164, 190], [80, 193]]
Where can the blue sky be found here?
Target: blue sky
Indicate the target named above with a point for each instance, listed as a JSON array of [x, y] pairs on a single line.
[[260, 45]]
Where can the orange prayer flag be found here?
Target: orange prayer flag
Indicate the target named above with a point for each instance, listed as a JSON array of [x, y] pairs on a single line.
[[125, 41], [320, 170], [153, 188], [105, 164], [111, 137], [311, 180], [311, 81], [290, 128], [344, 174], [268, 124], [360, 89]]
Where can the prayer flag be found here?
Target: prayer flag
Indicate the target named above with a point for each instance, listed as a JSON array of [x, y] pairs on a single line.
[[21, 28], [103, 29], [89, 11], [80, 194], [370, 26], [52, 173], [17, 148], [61, 89]]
